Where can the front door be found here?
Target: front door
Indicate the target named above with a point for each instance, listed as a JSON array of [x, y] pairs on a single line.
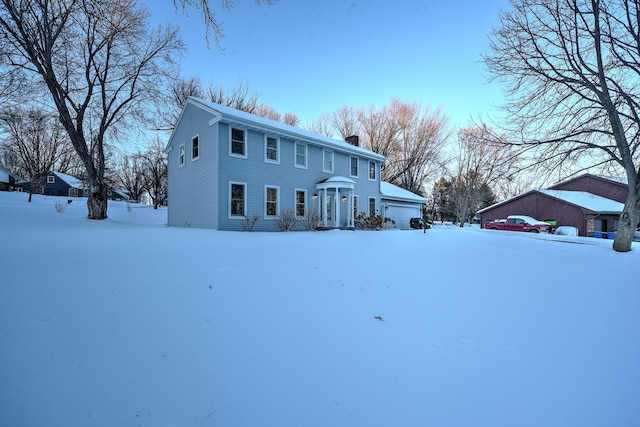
[[331, 210]]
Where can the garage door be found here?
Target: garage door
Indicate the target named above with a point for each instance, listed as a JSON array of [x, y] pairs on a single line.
[[402, 214]]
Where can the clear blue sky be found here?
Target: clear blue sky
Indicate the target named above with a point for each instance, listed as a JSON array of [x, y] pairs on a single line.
[[312, 57]]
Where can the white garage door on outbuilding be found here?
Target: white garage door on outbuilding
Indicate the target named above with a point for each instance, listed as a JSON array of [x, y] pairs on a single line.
[[400, 205]]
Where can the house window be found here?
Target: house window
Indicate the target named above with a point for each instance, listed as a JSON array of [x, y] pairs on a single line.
[[301, 207], [301, 155], [51, 179], [237, 199], [181, 155], [271, 153], [327, 165], [372, 170], [238, 142], [195, 147], [271, 201], [354, 167], [355, 206], [372, 206]]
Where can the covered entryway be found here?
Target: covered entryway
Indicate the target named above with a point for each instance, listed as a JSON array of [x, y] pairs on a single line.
[[335, 203]]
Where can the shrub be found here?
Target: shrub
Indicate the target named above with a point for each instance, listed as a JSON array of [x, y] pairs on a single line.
[[286, 220], [60, 207], [249, 222], [367, 222], [314, 220]]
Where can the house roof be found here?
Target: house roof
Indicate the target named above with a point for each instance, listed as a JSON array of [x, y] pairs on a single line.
[[390, 191], [586, 200], [613, 179], [252, 121], [16, 177], [71, 180], [495, 205]]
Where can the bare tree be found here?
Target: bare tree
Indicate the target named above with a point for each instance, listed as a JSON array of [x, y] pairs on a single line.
[[346, 121], [154, 167], [239, 97], [322, 126], [421, 137], [99, 63], [180, 90], [129, 173], [572, 68], [481, 161], [37, 144], [290, 119], [213, 25]]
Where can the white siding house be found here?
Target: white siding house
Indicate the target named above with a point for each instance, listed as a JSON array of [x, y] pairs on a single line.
[[227, 165]]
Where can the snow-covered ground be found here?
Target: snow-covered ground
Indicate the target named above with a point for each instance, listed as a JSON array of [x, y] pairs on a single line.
[[126, 322]]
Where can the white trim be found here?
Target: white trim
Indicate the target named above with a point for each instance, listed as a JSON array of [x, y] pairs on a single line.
[[266, 216], [195, 137], [246, 145], [266, 140], [295, 155], [182, 155], [357, 166], [324, 152], [51, 179], [244, 202], [375, 170], [295, 202]]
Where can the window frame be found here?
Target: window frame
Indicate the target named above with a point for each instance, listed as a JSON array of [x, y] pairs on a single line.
[[351, 159], [266, 201], [295, 155], [182, 155], [266, 149], [244, 200], [371, 162], [304, 202], [195, 148], [51, 179], [372, 213], [245, 145], [326, 151]]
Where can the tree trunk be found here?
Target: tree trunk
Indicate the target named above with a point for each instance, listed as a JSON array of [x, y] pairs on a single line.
[[97, 200], [628, 221]]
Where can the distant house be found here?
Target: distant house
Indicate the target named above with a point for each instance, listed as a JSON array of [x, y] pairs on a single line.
[[58, 184], [118, 194], [227, 165], [8, 180], [590, 203]]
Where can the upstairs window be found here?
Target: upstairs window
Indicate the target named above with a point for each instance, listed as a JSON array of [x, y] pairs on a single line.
[[301, 156], [327, 165], [238, 142], [195, 147], [372, 170], [181, 155], [271, 153], [354, 167], [51, 179]]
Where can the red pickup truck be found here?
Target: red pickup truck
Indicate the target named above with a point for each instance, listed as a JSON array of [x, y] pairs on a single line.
[[518, 223]]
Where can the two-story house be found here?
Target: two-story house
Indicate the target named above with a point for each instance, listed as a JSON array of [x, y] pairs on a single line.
[[226, 165]]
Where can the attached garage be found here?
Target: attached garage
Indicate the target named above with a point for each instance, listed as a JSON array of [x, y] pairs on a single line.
[[400, 205]]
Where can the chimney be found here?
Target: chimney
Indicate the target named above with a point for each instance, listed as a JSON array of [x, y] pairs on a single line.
[[353, 140]]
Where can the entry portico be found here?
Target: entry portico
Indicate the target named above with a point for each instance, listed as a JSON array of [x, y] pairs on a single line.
[[333, 192]]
